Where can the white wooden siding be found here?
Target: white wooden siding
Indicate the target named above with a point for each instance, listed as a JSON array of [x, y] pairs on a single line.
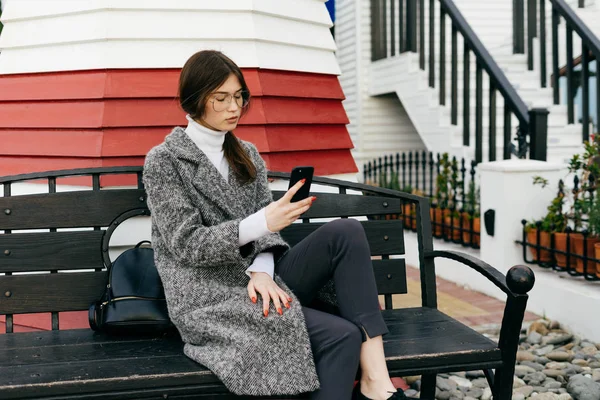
[[378, 125]]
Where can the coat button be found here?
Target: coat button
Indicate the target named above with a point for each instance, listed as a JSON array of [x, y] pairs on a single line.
[[385, 204], [386, 237], [7, 252], [7, 211], [389, 276], [8, 293]]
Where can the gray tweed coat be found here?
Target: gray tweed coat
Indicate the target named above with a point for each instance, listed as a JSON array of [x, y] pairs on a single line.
[[195, 220]]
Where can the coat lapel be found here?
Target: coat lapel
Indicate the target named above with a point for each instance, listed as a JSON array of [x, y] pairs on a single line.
[[204, 175]]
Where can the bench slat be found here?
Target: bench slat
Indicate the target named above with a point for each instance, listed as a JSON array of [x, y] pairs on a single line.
[[420, 340], [85, 377], [76, 291], [385, 237], [330, 205], [390, 276], [51, 292], [50, 250], [109, 350], [77, 209]]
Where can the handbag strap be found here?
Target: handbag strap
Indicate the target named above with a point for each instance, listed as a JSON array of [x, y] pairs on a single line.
[[113, 225], [142, 242]]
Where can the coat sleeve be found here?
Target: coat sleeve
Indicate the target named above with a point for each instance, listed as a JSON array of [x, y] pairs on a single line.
[[272, 242], [180, 223]]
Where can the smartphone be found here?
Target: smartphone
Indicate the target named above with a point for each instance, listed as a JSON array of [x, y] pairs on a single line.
[[299, 173]]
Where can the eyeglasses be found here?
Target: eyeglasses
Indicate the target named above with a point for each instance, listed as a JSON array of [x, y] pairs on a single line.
[[221, 101]]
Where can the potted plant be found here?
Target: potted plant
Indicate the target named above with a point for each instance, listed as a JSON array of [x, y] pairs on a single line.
[[594, 226], [556, 222], [446, 190], [408, 210], [586, 170], [541, 229], [471, 219]]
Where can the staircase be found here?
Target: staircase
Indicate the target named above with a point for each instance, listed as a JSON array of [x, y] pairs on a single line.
[[492, 23]]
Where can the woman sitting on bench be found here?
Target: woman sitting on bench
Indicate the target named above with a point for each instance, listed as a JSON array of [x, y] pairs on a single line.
[[217, 247]]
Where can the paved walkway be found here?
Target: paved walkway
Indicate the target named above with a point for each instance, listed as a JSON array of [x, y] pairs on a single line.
[[469, 307]]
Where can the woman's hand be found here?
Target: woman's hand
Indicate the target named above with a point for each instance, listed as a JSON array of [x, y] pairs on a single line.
[[283, 212], [262, 283]]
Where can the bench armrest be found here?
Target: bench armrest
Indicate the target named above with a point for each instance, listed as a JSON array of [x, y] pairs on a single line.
[[518, 281]]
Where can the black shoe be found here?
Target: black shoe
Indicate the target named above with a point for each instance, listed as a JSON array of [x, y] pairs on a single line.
[[357, 395]]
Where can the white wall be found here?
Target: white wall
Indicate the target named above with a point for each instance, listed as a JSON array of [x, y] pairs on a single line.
[[378, 125]]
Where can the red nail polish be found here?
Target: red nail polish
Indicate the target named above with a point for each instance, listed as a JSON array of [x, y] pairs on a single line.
[[254, 299], [266, 312], [279, 311], [303, 180], [289, 299], [314, 198], [287, 305]]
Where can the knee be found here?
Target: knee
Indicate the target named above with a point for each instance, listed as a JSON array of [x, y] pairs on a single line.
[[345, 227], [351, 337]]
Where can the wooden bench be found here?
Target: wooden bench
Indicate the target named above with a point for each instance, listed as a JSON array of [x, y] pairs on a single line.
[[70, 274]]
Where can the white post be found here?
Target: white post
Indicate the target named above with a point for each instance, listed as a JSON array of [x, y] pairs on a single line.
[[507, 188]]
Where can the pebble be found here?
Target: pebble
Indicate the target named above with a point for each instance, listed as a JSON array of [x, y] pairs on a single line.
[[552, 364], [559, 356], [544, 350], [464, 382], [522, 370], [534, 338], [553, 373], [583, 388], [523, 355], [564, 396], [445, 384], [559, 339], [487, 394], [546, 396], [534, 365], [475, 392], [525, 391], [480, 383]]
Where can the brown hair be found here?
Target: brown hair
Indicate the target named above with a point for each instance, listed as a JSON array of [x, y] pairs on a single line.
[[202, 74]]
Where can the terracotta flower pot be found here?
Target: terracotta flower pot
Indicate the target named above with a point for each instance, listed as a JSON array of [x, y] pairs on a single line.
[[590, 253], [452, 227], [560, 244], [409, 216], [476, 230], [597, 251], [437, 216], [544, 255]]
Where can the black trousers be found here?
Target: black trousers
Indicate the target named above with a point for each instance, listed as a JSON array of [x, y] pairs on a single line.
[[337, 250]]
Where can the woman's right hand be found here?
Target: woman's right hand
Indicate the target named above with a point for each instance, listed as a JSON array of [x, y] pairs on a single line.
[[283, 212]]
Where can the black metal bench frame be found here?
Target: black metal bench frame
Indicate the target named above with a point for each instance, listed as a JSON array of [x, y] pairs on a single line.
[[75, 364]]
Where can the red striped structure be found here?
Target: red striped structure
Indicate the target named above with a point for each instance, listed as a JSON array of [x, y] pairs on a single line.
[[113, 117]]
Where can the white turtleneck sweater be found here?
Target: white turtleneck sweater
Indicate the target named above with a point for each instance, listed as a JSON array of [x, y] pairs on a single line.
[[251, 228]]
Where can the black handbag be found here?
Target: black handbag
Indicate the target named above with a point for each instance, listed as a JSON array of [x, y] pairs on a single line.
[[134, 300]]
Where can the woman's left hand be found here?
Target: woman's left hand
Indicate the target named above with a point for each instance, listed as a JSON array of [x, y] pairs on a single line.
[[262, 283]]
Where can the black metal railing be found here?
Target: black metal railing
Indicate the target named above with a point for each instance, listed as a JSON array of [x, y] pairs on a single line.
[[569, 251], [449, 183], [408, 34], [590, 51], [567, 239]]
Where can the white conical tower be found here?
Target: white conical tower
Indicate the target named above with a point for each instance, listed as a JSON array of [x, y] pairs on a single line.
[[93, 82]]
